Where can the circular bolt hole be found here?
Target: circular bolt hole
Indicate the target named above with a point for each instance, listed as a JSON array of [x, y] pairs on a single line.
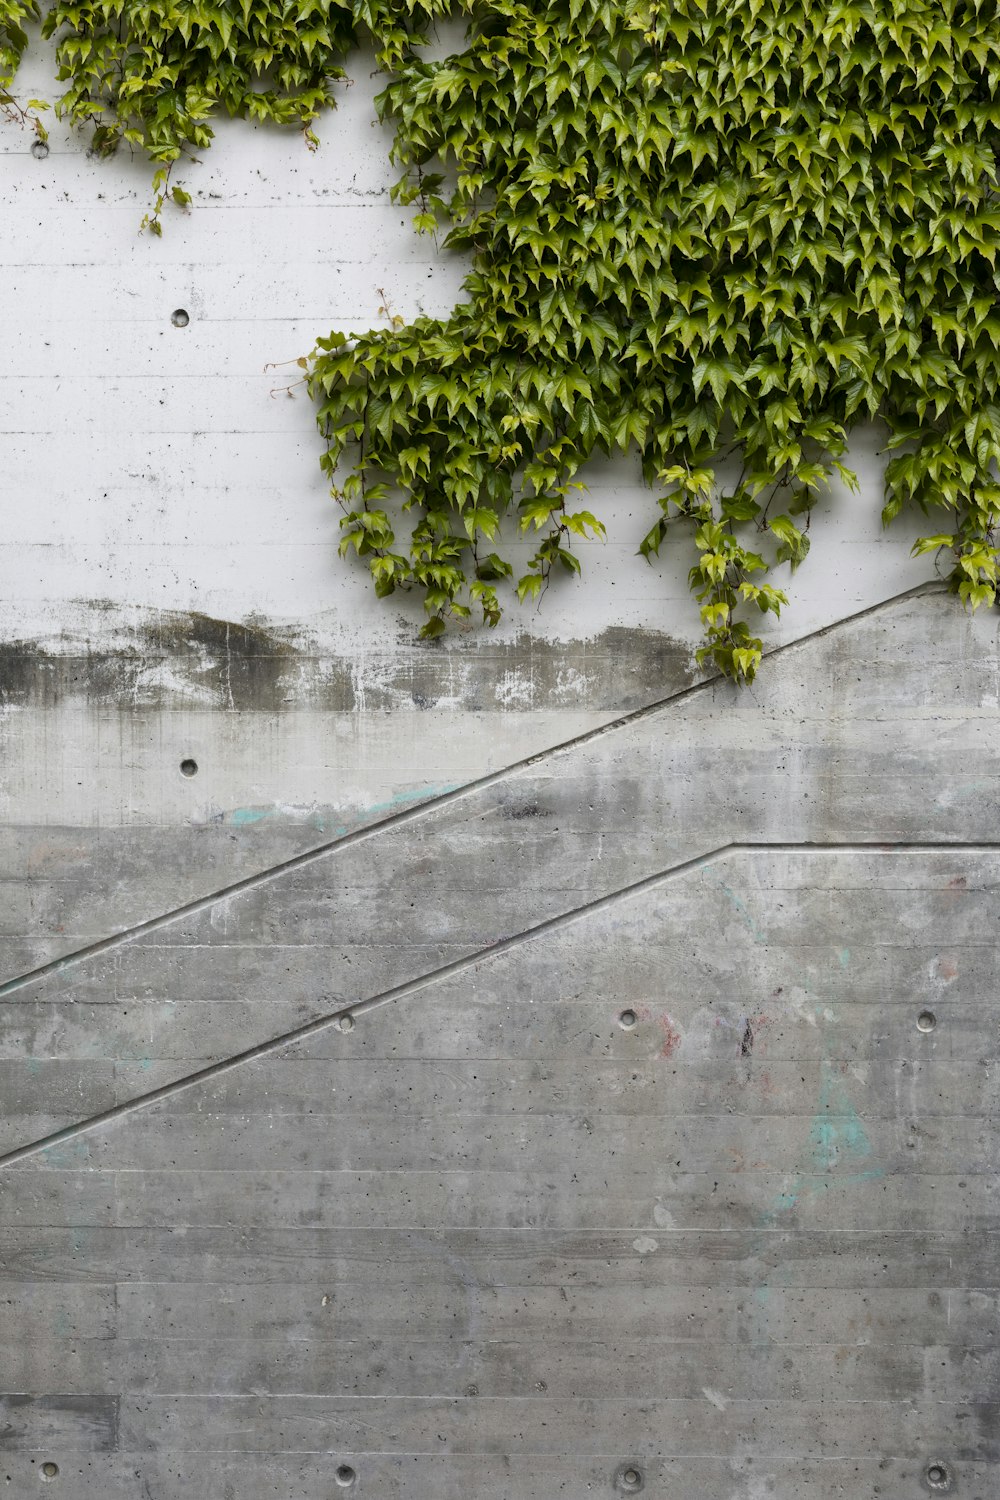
[[189, 768], [628, 1020], [40, 150], [629, 1479], [926, 1021], [347, 1023], [50, 1470], [180, 318], [345, 1476], [937, 1476]]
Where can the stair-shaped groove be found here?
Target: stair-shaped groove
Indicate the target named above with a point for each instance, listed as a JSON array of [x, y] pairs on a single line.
[[873, 731]]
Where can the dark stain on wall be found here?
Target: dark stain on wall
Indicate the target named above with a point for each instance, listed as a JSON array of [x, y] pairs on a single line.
[[193, 659]]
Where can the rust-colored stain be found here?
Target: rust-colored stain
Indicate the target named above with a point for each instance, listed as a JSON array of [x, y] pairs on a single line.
[[671, 1036]]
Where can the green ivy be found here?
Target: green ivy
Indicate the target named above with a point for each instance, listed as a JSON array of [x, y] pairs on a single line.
[[155, 75], [13, 39], [717, 231], [14, 16], [720, 234]]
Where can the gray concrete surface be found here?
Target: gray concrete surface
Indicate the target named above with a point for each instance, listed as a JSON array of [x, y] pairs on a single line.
[[574, 1133]]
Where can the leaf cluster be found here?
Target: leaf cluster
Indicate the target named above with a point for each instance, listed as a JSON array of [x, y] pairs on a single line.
[[711, 231], [14, 16], [719, 232], [13, 38], [154, 73]]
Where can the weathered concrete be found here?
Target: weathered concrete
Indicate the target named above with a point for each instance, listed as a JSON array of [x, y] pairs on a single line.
[[834, 748], [677, 1183]]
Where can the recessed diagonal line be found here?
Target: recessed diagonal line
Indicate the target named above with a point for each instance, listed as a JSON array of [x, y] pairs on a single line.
[[423, 809], [463, 965], [362, 1007]]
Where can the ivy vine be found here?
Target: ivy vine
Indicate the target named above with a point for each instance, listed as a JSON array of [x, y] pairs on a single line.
[[719, 233], [152, 74], [14, 16]]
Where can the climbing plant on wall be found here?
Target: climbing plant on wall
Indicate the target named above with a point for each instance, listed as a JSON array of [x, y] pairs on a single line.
[[715, 229], [14, 16], [154, 75], [718, 233]]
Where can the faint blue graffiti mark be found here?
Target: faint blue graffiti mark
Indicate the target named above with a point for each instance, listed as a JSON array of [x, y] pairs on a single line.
[[246, 817], [68, 1154], [739, 906], [837, 1138], [242, 817]]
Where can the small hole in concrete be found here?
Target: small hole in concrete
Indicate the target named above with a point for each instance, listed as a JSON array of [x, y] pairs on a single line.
[[40, 150], [629, 1479], [50, 1470], [627, 1020], [180, 318], [347, 1023], [189, 768], [345, 1476], [926, 1021], [938, 1477]]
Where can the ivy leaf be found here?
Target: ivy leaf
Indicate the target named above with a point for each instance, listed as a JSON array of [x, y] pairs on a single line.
[[931, 544]]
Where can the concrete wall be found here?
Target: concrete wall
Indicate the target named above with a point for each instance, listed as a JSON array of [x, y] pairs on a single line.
[[634, 1156], [625, 1121]]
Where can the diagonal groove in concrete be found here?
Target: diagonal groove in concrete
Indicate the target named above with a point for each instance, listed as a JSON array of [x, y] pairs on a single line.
[[462, 965], [429, 807], [331, 1018]]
